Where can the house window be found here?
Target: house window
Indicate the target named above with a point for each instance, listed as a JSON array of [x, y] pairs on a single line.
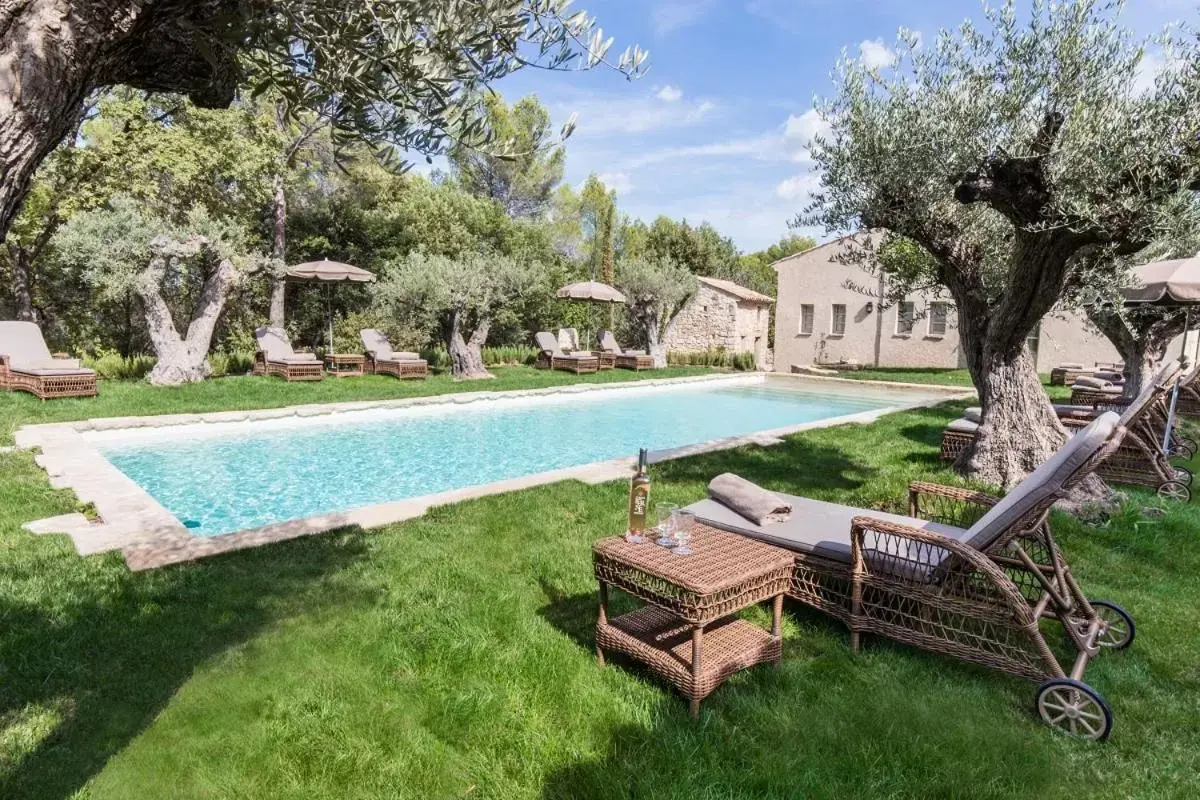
[[937, 318], [906, 314], [807, 313], [837, 324]]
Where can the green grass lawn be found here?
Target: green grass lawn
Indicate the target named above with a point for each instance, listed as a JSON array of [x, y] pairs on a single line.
[[451, 656]]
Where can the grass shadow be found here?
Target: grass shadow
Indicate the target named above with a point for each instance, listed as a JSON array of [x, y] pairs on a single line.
[[102, 669], [796, 466]]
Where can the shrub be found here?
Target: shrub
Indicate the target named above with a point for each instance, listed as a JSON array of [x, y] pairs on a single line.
[[234, 363], [717, 357], [439, 358], [112, 366]]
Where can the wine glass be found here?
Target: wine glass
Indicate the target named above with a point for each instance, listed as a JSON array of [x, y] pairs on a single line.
[[684, 522], [664, 517]]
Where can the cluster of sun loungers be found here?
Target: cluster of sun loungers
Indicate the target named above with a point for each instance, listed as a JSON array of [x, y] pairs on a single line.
[[276, 357], [562, 352]]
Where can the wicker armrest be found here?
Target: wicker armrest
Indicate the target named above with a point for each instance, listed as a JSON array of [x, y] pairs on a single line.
[[886, 553], [949, 505]]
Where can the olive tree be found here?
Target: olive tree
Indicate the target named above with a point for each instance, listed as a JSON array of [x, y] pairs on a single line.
[[458, 297], [655, 290], [1007, 152], [180, 273], [400, 74]]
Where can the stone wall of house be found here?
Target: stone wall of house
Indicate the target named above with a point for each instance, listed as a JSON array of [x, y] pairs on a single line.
[[715, 319]]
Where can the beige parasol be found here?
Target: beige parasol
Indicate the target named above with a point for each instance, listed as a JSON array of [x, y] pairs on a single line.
[[328, 271], [591, 292]]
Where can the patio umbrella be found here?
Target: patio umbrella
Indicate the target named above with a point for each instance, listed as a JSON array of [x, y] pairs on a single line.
[[1169, 284], [591, 292], [329, 272]]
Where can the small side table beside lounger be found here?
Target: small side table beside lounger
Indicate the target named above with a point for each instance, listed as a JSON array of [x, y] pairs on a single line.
[[344, 365], [686, 632]]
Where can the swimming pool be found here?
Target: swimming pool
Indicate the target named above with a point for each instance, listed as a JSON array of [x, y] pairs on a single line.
[[217, 479]]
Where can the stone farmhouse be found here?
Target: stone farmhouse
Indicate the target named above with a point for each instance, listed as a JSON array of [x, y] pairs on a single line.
[[830, 312], [723, 314]]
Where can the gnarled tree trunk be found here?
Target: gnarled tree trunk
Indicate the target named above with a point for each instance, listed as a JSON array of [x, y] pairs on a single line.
[[278, 250], [183, 359], [20, 262], [54, 52], [466, 354], [1142, 338]]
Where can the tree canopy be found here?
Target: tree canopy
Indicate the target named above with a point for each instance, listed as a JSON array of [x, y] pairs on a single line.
[[1006, 151]]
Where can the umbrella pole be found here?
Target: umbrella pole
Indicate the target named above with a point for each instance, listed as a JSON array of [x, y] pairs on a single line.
[[329, 311], [1183, 360]]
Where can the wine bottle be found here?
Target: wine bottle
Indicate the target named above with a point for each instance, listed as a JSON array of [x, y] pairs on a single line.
[[639, 497]]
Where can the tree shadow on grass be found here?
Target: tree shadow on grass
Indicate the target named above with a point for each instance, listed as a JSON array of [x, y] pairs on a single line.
[[102, 667], [796, 466]]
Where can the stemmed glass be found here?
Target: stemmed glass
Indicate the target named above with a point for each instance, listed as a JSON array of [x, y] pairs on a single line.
[[684, 520], [664, 516]]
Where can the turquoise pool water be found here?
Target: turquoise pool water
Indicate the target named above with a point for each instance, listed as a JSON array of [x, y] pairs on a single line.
[[255, 474]]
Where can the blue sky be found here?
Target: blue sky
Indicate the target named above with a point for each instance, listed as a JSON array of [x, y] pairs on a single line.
[[715, 130]]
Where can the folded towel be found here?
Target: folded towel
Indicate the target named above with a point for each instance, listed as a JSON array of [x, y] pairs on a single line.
[[1070, 365], [752, 502], [1111, 377]]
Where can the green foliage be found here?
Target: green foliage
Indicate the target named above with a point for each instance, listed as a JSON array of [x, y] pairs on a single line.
[[504, 356], [655, 291], [412, 75], [756, 267], [712, 357], [111, 365], [522, 165]]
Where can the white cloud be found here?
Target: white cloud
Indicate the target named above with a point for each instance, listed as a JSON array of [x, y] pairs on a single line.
[[799, 132], [619, 182], [1148, 70], [758, 147], [672, 15], [669, 94], [798, 186], [874, 54], [601, 114]]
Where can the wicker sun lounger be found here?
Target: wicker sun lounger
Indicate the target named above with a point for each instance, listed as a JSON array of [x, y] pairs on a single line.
[[552, 356], [626, 359], [382, 360], [1067, 373], [276, 357], [26, 365], [965, 574]]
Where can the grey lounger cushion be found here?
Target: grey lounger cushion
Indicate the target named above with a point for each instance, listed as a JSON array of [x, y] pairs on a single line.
[[276, 347], [963, 425], [823, 529], [27, 352], [816, 527], [377, 344], [975, 413], [1091, 382], [1070, 365]]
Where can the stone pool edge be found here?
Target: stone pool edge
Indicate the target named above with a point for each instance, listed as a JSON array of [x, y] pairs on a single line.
[[149, 536]]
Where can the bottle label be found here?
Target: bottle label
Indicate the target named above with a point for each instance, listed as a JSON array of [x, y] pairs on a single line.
[[638, 501]]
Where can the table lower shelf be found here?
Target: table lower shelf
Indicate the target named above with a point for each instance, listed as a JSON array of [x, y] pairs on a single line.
[[663, 642]]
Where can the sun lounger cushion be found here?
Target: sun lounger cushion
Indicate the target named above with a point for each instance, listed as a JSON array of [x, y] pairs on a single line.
[[815, 527], [1044, 482], [377, 344], [963, 425], [568, 339], [275, 345], [48, 372], [975, 413], [27, 352], [1091, 382], [608, 344], [1111, 377]]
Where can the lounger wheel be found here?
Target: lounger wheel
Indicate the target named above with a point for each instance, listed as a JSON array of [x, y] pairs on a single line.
[[1183, 475], [1074, 708], [1183, 447], [1174, 490], [1116, 625]]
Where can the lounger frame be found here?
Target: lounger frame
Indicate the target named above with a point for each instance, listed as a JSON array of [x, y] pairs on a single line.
[[313, 371], [579, 366], [47, 387], [979, 606], [404, 369]]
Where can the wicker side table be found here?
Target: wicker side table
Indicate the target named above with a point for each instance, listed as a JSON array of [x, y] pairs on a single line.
[[686, 633], [344, 365]]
